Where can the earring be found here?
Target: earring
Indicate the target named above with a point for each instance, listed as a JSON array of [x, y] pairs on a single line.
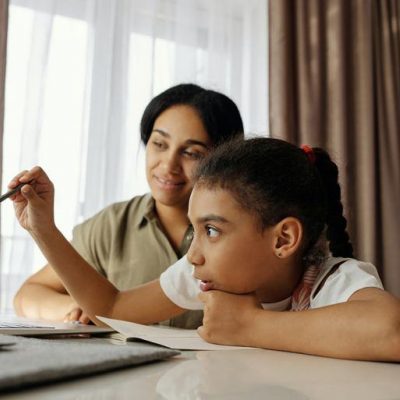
[[279, 255]]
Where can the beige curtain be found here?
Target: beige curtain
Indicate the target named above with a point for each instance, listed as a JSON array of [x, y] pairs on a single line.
[[3, 50], [335, 83]]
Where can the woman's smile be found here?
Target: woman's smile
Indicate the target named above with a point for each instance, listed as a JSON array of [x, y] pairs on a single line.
[[169, 184]]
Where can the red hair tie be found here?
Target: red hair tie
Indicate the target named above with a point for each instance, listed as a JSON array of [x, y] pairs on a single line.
[[309, 153]]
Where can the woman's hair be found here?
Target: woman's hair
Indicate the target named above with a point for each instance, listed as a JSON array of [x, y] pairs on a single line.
[[219, 114], [274, 179]]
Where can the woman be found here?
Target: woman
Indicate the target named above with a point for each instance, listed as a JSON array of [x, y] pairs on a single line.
[[133, 242]]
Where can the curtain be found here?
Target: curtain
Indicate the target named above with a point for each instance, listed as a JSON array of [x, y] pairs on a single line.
[[82, 72], [335, 82], [3, 48], [3, 51]]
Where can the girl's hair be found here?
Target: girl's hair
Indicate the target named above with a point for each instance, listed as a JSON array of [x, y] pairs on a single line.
[[274, 179], [219, 114]]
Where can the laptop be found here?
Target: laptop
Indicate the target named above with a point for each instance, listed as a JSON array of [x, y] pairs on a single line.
[[11, 325]]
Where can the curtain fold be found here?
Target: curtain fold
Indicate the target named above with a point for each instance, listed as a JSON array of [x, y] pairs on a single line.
[[335, 82], [386, 35], [3, 52]]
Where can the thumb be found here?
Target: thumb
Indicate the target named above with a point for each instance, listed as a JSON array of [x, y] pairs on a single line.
[[29, 194]]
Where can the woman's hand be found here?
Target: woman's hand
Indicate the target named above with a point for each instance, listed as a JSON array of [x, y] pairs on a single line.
[[228, 318], [33, 204], [78, 315]]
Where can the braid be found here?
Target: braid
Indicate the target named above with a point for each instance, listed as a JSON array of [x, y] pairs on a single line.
[[339, 240]]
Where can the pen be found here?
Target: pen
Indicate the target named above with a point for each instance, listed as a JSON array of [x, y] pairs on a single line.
[[13, 191]]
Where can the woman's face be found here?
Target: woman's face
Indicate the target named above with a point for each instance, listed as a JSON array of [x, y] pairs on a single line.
[[177, 143]]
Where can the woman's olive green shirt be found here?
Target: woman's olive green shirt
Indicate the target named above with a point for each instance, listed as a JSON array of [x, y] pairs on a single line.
[[126, 244]]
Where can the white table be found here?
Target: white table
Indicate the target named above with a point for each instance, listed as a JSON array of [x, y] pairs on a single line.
[[236, 374]]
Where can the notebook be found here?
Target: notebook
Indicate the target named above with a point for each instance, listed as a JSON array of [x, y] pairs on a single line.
[[11, 325], [173, 338]]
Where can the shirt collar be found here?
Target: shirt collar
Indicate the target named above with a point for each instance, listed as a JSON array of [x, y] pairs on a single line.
[[146, 212]]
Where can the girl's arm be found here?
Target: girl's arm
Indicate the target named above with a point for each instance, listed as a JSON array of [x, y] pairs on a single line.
[[366, 327], [93, 292], [96, 295]]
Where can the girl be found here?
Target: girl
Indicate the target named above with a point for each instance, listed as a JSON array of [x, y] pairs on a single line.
[[263, 212], [178, 128]]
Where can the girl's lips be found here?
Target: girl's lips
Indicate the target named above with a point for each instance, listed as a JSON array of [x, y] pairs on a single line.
[[205, 285]]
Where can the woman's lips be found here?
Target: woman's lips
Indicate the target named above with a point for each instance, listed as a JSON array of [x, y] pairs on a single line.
[[205, 285], [168, 184]]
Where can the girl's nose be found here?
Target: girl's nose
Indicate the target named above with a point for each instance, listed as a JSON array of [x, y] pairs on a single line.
[[194, 255]]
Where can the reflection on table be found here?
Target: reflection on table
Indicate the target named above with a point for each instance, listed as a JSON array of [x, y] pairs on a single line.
[[258, 374], [236, 374]]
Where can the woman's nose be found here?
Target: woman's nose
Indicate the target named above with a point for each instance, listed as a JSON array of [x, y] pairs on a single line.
[[171, 162]]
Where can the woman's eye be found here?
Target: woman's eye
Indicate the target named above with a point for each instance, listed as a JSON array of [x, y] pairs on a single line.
[[158, 145], [212, 232], [193, 154]]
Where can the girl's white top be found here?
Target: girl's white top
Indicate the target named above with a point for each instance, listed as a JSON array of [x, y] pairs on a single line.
[[182, 288]]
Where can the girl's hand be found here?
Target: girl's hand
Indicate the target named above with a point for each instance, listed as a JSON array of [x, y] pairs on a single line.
[[33, 204], [228, 318]]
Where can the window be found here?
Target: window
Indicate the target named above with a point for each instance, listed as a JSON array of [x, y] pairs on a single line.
[[79, 75]]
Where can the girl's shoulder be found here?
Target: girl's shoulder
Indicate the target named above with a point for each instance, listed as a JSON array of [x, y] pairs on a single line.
[[339, 278]]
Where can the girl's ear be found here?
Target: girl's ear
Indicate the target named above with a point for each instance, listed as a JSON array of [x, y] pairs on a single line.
[[288, 237]]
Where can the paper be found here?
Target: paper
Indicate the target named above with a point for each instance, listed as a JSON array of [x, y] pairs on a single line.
[[174, 338]]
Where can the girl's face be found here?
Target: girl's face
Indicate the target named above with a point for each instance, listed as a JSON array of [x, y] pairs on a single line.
[[176, 145], [229, 251]]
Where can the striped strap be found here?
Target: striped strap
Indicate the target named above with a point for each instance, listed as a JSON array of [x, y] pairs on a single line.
[[302, 295]]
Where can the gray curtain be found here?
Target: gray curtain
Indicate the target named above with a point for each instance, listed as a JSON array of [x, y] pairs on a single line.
[[335, 83]]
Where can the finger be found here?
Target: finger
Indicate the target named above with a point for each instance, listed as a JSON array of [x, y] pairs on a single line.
[[16, 180], [15, 193], [68, 318], [84, 319], [36, 174], [73, 315], [200, 331], [29, 194]]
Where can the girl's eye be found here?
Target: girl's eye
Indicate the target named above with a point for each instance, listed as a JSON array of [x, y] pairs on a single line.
[[212, 232]]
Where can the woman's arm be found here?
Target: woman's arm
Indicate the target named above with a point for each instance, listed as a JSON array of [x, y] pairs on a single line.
[[43, 296], [366, 327], [93, 292]]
